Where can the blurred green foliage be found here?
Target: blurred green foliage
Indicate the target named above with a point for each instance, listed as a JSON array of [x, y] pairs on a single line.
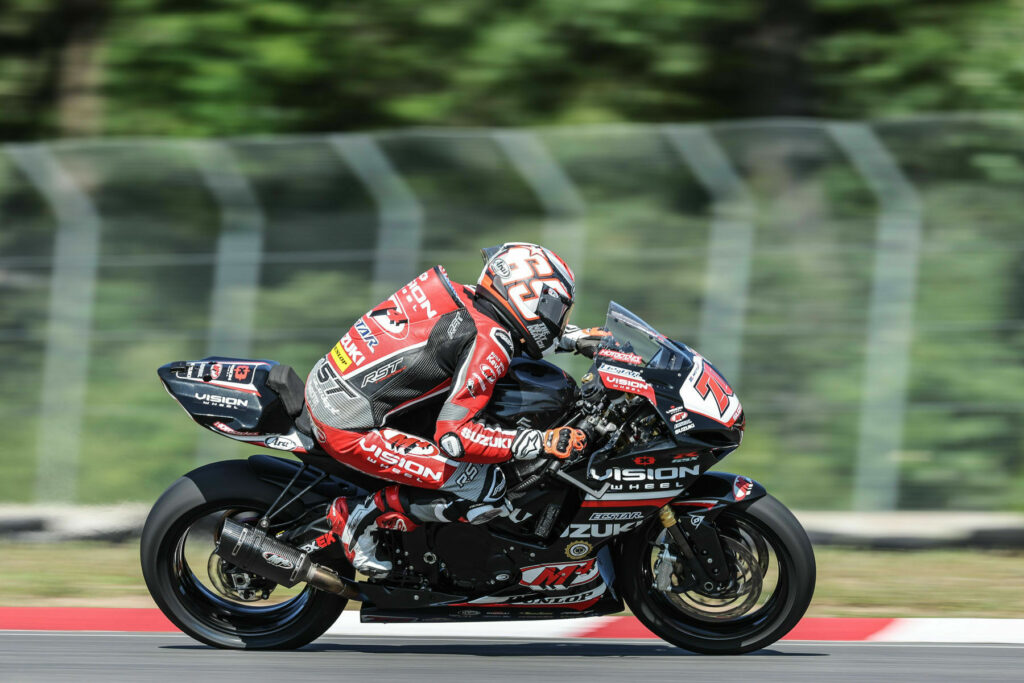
[[227, 67]]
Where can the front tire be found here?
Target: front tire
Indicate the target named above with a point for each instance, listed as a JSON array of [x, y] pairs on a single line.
[[770, 557], [184, 516]]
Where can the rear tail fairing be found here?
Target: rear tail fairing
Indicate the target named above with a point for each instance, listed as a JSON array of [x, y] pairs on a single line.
[[236, 398]]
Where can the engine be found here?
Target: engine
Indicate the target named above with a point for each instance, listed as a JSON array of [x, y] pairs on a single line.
[[456, 557], [478, 559], [472, 557]]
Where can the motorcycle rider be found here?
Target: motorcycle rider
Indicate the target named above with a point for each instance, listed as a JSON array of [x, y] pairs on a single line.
[[435, 339]]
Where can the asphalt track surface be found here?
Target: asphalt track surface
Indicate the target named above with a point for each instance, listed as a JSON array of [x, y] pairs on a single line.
[[35, 656]]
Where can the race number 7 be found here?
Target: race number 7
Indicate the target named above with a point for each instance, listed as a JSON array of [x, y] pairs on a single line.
[[711, 382]]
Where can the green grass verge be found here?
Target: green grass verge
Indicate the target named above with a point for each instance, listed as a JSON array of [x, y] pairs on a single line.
[[851, 582]]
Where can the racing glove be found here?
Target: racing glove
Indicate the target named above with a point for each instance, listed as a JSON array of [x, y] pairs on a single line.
[[560, 443], [583, 341]]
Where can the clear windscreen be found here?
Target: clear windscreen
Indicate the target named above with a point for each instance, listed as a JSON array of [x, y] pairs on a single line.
[[631, 335]]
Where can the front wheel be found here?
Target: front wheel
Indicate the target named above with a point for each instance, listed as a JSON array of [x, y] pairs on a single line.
[[209, 599], [772, 580]]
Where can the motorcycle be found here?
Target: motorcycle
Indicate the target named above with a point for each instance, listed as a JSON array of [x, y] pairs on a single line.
[[237, 553]]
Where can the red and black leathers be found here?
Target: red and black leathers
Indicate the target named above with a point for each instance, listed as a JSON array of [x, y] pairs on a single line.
[[428, 340]]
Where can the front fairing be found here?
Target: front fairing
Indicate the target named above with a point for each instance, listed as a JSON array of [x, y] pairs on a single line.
[[692, 397]]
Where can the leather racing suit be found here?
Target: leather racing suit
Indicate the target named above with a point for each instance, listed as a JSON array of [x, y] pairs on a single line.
[[430, 340], [433, 340]]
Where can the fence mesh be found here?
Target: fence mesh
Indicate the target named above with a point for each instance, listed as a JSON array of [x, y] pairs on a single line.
[[862, 285]]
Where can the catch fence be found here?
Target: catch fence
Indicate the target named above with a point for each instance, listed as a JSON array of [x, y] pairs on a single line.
[[860, 283]]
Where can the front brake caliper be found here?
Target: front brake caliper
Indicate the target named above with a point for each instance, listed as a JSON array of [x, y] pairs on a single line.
[[664, 568]]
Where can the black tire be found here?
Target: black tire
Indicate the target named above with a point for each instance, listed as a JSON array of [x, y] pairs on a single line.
[[776, 527], [201, 613]]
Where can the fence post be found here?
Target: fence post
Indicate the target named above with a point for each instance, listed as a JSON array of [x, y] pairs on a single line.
[[730, 247], [72, 294], [890, 316], [239, 258], [400, 234], [564, 232]]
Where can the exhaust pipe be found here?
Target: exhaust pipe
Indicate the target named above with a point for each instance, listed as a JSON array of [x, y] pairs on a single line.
[[252, 550]]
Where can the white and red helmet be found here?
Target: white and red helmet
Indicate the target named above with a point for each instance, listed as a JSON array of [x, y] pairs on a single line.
[[532, 289]]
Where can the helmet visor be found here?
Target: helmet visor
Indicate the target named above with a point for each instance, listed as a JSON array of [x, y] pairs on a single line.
[[555, 308]]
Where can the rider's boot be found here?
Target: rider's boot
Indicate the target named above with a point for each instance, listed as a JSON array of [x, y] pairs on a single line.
[[356, 521], [458, 510]]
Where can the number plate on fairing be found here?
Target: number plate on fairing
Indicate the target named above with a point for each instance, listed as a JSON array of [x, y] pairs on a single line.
[[706, 393]]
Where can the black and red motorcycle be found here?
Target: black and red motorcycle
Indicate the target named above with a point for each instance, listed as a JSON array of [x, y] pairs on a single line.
[[236, 555]]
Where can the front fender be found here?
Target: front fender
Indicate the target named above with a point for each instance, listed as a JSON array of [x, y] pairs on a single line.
[[712, 492], [695, 511]]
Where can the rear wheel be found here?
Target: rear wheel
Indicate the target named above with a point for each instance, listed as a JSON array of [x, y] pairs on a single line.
[[772, 574], [209, 599]]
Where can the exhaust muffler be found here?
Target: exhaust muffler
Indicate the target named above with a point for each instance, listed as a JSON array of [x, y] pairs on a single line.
[[251, 549]]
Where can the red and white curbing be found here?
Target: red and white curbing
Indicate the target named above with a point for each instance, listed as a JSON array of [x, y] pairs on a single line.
[[617, 628], [629, 628]]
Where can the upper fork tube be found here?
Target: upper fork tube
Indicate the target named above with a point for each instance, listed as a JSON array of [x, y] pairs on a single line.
[[671, 524]]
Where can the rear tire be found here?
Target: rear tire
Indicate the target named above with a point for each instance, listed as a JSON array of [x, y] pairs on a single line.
[[761, 526], [184, 598]]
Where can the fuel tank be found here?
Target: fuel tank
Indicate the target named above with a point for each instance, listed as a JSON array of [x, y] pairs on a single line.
[[533, 389]]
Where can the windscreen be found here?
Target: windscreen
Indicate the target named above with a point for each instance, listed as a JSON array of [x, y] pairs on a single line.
[[631, 335]]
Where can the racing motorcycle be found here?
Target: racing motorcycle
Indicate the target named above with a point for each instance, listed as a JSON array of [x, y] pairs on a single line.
[[237, 553]]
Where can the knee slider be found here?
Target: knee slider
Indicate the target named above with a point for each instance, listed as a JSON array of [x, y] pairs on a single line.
[[494, 486]]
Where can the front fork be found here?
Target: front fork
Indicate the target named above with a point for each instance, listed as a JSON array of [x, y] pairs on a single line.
[[702, 556], [703, 566]]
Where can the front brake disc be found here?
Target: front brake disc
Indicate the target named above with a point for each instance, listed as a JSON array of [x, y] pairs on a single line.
[[738, 599]]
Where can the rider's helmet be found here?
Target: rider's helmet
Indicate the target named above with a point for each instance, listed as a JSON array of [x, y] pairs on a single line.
[[532, 290]]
